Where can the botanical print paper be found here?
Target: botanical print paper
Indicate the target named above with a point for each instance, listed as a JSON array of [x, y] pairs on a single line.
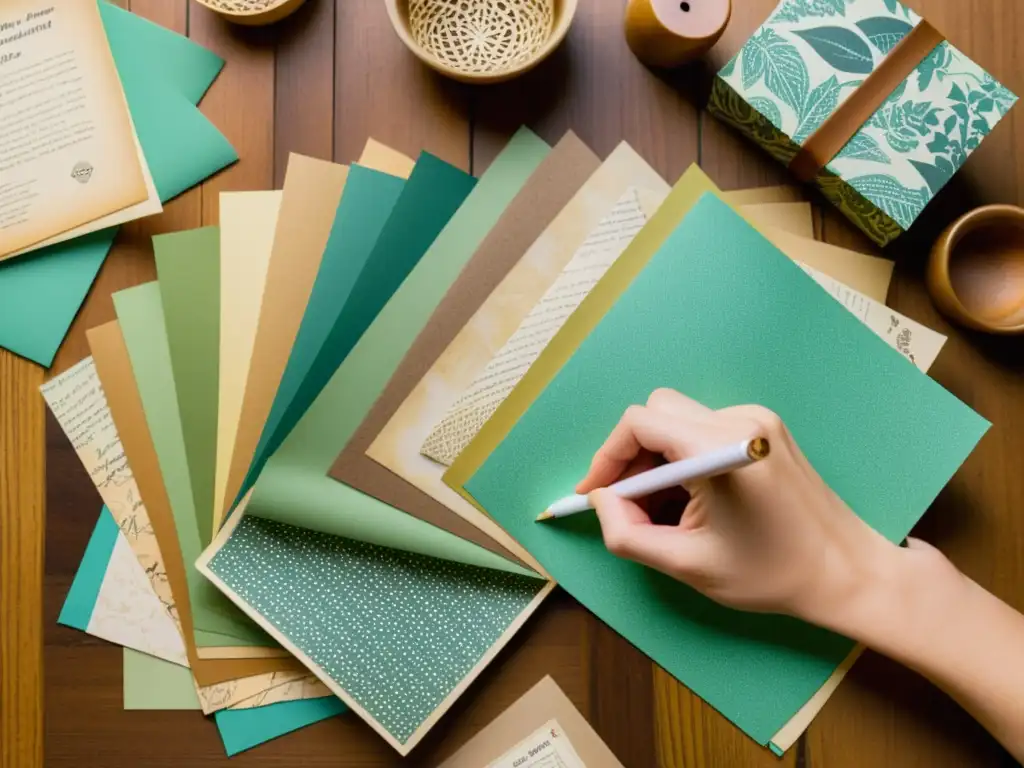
[[810, 56]]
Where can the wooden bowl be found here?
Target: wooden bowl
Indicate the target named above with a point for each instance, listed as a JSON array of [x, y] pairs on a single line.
[[252, 13], [481, 41], [976, 270]]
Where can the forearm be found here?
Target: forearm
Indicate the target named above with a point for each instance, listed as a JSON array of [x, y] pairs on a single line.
[[925, 614]]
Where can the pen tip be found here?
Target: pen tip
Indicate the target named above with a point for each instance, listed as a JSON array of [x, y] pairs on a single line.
[[545, 515]]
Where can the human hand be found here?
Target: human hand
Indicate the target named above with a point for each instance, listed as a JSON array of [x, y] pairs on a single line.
[[769, 537]]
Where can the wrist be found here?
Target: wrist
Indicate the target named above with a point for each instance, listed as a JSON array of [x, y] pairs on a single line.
[[902, 601]]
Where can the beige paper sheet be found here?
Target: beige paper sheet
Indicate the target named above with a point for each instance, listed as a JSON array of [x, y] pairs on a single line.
[[129, 613], [247, 224], [148, 207], [764, 195], [68, 154], [544, 702], [403, 748], [866, 274], [312, 190]]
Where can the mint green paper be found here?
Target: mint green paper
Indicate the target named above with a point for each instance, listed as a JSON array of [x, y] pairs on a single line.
[[140, 311], [152, 683], [415, 215], [366, 204], [188, 271], [724, 317], [40, 293], [159, 53], [294, 487]]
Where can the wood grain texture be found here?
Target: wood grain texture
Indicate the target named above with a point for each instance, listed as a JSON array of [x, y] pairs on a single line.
[[319, 84]]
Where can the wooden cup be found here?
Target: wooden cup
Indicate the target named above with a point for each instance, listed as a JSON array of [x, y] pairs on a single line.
[[669, 33], [976, 270]]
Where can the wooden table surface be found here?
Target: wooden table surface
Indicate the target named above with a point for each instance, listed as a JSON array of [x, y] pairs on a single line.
[[319, 84]]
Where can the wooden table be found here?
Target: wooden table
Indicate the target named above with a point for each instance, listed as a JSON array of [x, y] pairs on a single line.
[[319, 84]]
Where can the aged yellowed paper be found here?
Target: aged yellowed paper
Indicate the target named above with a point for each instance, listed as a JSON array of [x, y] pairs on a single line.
[[68, 154]]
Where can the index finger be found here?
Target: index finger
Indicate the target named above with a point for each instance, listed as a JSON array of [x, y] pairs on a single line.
[[639, 429]]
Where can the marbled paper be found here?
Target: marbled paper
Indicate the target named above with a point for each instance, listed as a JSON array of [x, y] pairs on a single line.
[[395, 630]]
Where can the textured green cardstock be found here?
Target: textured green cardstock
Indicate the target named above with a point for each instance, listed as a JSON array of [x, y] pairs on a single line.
[[163, 75], [724, 317], [808, 58], [140, 311]]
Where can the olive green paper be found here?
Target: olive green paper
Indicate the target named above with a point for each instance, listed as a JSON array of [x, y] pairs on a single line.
[[700, 319]]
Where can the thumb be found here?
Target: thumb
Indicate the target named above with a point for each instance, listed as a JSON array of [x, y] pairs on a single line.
[[629, 533]]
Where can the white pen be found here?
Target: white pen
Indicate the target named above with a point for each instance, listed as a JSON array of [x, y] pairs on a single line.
[[710, 464]]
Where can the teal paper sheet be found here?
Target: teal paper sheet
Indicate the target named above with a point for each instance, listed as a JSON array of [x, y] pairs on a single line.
[[85, 588], [159, 53], [41, 292], [725, 318], [366, 204], [242, 729], [397, 632], [140, 312]]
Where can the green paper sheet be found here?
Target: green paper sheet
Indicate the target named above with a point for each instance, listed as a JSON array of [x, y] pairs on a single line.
[[40, 293], [159, 53], [152, 683], [140, 311], [188, 271], [399, 247], [293, 487], [723, 316]]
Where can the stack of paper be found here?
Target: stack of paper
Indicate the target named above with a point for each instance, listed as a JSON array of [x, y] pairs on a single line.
[[325, 430], [98, 127]]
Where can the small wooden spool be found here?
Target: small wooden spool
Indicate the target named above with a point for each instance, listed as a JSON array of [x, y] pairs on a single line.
[[252, 13], [668, 33]]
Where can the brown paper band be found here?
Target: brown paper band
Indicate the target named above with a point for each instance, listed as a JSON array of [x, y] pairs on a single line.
[[841, 126]]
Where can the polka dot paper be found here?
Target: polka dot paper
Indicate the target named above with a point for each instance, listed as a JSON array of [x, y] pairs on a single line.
[[396, 631]]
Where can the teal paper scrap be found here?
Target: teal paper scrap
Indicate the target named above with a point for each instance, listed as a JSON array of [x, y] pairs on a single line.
[[41, 292], [242, 729], [85, 588], [724, 317]]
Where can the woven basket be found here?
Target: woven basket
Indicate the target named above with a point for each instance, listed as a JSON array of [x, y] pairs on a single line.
[[252, 13], [481, 41]]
